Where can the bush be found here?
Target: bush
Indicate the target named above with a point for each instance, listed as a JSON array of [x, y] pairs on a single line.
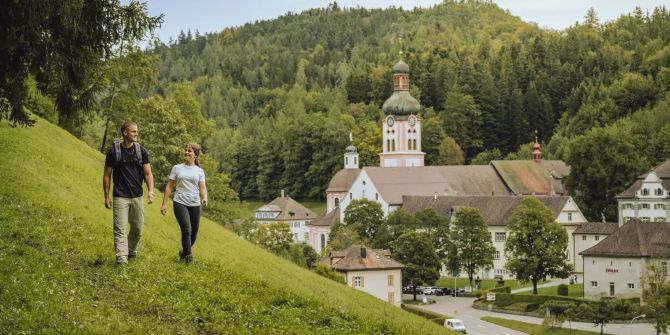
[[563, 290], [328, 272], [503, 289], [431, 316], [505, 299]]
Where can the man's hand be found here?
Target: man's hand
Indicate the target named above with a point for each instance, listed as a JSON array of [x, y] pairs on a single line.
[[108, 203], [150, 197], [204, 202], [163, 209]]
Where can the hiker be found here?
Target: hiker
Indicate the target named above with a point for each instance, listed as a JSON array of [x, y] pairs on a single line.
[[127, 164], [188, 181]]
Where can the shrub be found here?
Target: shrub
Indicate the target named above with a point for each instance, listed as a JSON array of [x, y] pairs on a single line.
[[328, 272], [503, 289], [563, 290]]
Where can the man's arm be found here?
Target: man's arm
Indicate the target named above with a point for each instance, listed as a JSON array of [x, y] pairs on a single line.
[[149, 178], [106, 181]]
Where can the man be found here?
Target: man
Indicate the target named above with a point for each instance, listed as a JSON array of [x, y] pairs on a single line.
[[128, 163]]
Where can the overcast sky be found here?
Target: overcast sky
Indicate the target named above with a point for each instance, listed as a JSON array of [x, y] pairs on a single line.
[[215, 15]]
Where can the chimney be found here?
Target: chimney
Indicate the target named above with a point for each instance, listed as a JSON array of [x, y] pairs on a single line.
[[364, 252], [282, 192]]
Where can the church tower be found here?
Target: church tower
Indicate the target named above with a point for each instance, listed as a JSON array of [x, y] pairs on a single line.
[[402, 126]]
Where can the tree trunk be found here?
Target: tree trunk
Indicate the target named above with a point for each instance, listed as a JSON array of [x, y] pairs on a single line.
[[414, 291], [534, 286], [104, 136]]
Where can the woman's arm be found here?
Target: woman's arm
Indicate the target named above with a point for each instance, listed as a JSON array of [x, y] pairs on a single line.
[[203, 192], [166, 195]]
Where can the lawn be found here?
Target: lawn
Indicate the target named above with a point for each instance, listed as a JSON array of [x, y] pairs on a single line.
[[574, 291], [57, 271], [486, 283], [534, 329]]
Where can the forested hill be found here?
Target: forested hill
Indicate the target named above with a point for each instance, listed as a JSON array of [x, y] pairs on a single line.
[[285, 93]]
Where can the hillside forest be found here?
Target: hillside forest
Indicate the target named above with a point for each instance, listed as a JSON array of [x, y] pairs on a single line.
[[273, 102]]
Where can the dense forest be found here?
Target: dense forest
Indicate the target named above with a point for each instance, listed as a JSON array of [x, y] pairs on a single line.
[[274, 101]]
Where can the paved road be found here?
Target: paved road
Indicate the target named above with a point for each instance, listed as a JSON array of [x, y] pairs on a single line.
[[461, 308]]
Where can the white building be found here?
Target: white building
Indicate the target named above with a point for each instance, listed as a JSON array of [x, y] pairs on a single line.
[[285, 209], [615, 266], [370, 270], [648, 199], [587, 236], [497, 212]]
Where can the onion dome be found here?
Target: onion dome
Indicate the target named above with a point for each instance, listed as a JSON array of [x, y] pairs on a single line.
[[401, 102], [401, 67], [351, 149]]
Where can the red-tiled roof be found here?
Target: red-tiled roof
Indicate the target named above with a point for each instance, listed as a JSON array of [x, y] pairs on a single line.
[[351, 259], [635, 239]]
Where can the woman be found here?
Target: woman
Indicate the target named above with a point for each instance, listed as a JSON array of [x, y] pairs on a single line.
[[190, 192]]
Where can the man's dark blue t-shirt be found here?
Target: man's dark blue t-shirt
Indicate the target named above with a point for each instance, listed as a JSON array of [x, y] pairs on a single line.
[[127, 174]]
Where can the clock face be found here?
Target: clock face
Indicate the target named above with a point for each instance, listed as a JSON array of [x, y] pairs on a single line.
[[390, 121], [412, 121]]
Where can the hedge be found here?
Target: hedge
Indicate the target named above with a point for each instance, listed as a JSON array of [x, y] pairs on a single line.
[[504, 299], [503, 289], [431, 316]]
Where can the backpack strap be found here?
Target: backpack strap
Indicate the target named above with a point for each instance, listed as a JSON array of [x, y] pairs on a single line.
[[138, 153], [117, 150]]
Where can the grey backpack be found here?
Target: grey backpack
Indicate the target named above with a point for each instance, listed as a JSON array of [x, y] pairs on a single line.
[[136, 146]]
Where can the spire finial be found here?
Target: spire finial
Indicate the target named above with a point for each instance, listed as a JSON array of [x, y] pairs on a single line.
[[535, 135], [351, 137]]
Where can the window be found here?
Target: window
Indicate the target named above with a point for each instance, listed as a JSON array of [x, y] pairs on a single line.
[[496, 255], [631, 285], [388, 145], [569, 216], [645, 219], [659, 219], [392, 145], [501, 237], [346, 160], [358, 281], [594, 284], [659, 206], [391, 297], [356, 160], [644, 206], [628, 206], [376, 196], [414, 141], [295, 236], [664, 269], [350, 196], [337, 202], [409, 144], [390, 280], [645, 191], [597, 237], [659, 191], [583, 237]]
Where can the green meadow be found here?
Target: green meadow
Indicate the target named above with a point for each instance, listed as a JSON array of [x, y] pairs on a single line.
[[58, 276]]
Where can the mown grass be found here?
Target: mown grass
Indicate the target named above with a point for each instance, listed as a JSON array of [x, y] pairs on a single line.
[[486, 283], [57, 271], [574, 290], [534, 329]]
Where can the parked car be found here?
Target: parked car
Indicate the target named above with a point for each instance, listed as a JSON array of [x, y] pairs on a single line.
[[442, 291], [407, 290], [456, 325], [429, 290]]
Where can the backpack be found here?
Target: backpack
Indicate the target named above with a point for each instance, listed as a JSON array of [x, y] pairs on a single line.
[[138, 152]]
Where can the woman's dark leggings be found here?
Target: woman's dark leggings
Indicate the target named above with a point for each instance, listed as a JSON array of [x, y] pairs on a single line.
[[189, 221]]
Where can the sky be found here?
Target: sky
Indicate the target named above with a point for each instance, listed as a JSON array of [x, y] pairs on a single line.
[[215, 15]]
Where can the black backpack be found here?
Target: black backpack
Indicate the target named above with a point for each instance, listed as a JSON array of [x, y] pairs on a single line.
[[136, 146]]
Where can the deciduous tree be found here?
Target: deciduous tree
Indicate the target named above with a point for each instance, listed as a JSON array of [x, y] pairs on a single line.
[[470, 243], [422, 265]]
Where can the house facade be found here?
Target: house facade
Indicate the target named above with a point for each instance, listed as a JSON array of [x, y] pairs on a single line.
[[587, 236], [648, 198], [615, 266], [497, 212], [285, 209], [370, 270]]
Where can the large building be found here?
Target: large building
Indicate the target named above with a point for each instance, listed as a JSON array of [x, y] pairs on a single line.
[[616, 265], [369, 270], [497, 212], [648, 198]]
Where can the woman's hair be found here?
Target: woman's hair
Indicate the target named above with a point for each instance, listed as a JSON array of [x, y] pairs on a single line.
[[196, 150]]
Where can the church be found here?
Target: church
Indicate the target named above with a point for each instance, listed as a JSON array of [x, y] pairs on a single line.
[[403, 181]]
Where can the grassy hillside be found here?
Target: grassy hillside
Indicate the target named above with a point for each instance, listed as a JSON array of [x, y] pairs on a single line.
[[57, 271]]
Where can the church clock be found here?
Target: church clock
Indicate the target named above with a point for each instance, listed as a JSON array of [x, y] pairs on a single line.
[[390, 120]]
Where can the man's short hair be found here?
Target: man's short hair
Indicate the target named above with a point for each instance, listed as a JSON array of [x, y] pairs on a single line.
[[127, 125]]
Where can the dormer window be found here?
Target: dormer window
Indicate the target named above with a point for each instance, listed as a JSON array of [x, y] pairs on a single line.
[[645, 191], [659, 191]]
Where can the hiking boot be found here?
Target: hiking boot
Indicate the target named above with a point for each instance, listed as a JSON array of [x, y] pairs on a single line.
[[188, 259], [132, 257], [121, 260], [181, 255]]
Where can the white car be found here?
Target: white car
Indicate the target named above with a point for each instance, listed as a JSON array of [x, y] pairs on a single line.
[[455, 324], [429, 290]]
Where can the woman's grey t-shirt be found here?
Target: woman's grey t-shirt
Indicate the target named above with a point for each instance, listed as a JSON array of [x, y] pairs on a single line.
[[187, 178]]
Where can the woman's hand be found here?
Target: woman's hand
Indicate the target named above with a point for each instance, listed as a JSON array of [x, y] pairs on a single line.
[[163, 209]]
